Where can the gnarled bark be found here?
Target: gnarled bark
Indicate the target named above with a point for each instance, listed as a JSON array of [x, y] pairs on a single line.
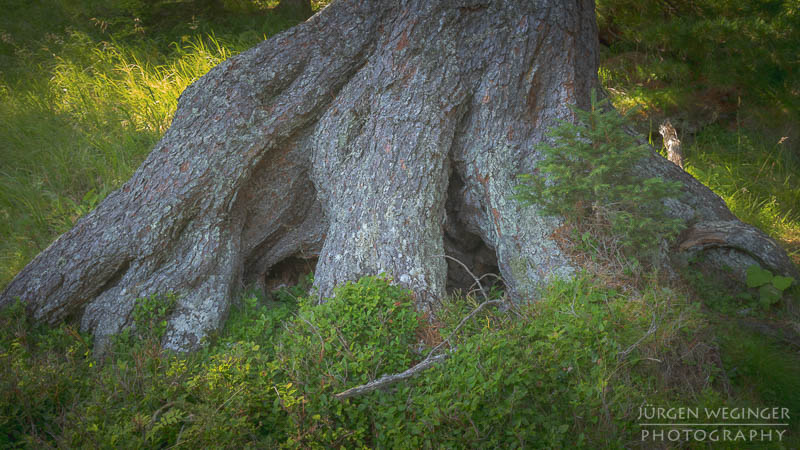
[[376, 136]]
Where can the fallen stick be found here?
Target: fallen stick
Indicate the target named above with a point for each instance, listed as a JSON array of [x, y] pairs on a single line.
[[426, 363], [393, 378]]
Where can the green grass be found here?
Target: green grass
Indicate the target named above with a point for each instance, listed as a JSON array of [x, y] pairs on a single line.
[[81, 106], [700, 65], [67, 142], [748, 48], [758, 179], [756, 171], [759, 367], [721, 71]]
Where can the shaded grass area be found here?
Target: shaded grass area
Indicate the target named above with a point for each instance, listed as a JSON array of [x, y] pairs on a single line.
[[747, 49], [761, 368]]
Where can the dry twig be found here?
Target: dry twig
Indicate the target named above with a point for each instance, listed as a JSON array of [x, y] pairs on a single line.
[[393, 378], [426, 363], [429, 360]]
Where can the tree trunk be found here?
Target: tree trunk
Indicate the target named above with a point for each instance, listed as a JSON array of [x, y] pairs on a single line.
[[376, 136]]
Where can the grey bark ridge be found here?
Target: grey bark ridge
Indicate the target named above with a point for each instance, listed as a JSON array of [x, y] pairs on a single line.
[[746, 239], [375, 136]]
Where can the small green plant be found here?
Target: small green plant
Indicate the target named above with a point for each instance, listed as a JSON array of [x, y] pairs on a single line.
[[589, 174], [149, 326], [43, 370], [257, 320], [150, 313], [770, 287]]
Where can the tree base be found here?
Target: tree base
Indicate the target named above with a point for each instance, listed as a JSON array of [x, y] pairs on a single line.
[[376, 136]]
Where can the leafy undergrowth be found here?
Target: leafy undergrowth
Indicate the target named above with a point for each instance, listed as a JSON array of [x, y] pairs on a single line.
[[571, 370], [733, 102]]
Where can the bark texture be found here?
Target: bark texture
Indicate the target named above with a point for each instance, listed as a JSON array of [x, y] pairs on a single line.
[[671, 142], [376, 136]]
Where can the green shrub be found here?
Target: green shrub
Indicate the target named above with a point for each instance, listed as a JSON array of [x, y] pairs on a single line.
[[365, 331], [589, 173], [223, 395], [150, 316], [568, 371], [538, 380], [257, 321]]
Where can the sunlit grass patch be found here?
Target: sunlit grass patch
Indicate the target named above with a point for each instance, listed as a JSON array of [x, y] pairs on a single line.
[[117, 86], [68, 140], [759, 180], [86, 89]]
